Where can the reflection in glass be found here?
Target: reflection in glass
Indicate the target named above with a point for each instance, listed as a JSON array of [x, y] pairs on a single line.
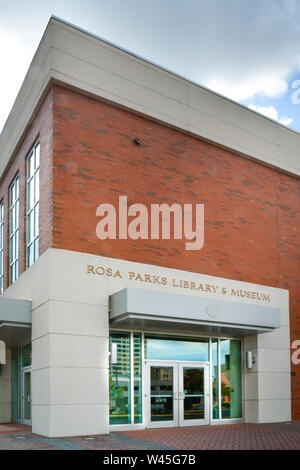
[[193, 388], [137, 367], [27, 395], [119, 381], [215, 378], [161, 393], [176, 348], [231, 378], [26, 355]]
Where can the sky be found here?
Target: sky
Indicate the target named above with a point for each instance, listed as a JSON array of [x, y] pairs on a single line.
[[247, 50]]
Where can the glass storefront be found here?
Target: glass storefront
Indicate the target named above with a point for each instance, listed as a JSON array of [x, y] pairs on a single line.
[[126, 377]]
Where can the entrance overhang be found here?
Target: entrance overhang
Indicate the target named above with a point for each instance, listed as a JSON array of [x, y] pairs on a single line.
[[15, 321], [147, 309]]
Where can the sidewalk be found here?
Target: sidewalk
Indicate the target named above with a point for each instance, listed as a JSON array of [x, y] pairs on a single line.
[[285, 436]]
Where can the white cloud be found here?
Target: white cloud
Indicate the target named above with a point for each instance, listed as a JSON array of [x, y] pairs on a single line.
[[286, 121], [272, 113], [251, 85]]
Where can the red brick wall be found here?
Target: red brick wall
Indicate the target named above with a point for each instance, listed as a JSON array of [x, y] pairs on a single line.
[[40, 127], [252, 213]]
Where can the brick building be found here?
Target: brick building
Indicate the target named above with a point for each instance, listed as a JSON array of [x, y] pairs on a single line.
[[133, 333]]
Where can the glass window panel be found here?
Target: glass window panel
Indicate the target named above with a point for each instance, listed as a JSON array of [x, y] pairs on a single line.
[[11, 195], [37, 155], [16, 215], [12, 220], [16, 244], [36, 220], [30, 165], [176, 348], [30, 226], [30, 254], [11, 273], [36, 248], [162, 392], [119, 381], [11, 249], [31, 194], [27, 395], [194, 399], [231, 378], [215, 378], [37, 186], [26, 355], [16, 269], [137, 367], [17, 188]]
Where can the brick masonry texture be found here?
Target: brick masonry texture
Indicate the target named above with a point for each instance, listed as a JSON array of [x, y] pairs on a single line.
[[252, 212], [41, 128], [224, 437]]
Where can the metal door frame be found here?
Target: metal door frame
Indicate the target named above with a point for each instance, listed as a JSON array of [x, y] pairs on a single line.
[[178, 398], [25, 370], [181, 395]]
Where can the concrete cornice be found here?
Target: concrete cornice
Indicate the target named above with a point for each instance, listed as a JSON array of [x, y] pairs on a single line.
[[73, 57]]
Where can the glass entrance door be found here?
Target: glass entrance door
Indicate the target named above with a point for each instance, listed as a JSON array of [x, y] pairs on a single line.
[[162, 394], [26, 396], [176, 394], [193, 395]]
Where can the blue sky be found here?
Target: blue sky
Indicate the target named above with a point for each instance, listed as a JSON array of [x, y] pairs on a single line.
[[247, 50]]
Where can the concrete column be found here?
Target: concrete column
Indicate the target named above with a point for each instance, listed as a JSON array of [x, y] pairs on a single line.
[[70, 369], [267, 386]]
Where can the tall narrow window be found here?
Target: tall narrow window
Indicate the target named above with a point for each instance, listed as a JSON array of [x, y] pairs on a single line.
[[1, 245], [14, 230], [231, 378], [33, 196], [120, 381]]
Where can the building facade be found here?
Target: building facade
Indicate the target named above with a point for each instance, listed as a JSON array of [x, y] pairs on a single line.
[[131, 333]]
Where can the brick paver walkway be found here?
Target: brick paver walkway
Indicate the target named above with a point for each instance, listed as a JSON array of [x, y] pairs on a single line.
[[285, 436]]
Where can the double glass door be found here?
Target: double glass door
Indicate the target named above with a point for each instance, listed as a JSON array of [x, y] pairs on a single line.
[[177, 394]]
